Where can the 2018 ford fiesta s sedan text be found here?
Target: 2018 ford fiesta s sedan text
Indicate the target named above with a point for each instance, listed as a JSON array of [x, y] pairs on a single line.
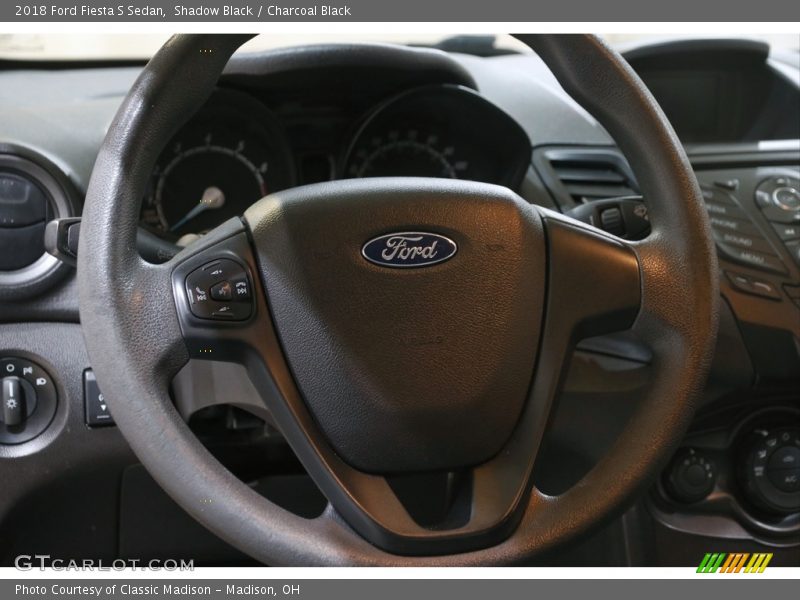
[[527, 300]]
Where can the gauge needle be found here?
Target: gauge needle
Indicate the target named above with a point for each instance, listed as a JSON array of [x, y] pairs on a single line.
[[212, 198]]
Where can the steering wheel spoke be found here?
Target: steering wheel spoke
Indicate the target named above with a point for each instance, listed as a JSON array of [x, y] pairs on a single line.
[[593, 288], [594, 280]]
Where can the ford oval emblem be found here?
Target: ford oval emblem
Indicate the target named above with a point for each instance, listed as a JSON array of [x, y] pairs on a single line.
[[407, 249]]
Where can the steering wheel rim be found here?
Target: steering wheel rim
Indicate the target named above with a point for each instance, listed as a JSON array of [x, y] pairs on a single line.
[[137, 341]]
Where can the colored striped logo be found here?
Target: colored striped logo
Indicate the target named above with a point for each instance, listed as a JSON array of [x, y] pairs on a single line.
[[734, 563]]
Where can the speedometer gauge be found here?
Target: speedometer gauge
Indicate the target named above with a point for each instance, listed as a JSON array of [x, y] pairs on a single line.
[[223, 160]]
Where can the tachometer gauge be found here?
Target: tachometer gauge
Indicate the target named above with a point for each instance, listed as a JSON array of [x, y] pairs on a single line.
[[407, 153], [226, 158], [443, 131]]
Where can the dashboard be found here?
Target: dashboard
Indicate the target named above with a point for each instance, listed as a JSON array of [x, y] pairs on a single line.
[[715, 93], [312, 114], [236, 151]]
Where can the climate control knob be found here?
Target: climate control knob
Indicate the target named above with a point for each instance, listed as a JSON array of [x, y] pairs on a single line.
[[771, 474], [691, 476]]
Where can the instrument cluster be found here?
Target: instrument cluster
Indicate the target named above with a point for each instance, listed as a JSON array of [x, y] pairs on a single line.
[[236, 150]]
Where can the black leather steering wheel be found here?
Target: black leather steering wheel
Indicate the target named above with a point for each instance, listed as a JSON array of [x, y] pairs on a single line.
[[373, 372]]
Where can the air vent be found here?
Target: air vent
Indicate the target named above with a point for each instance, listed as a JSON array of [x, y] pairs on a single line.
[[32, 192], [577, 176]]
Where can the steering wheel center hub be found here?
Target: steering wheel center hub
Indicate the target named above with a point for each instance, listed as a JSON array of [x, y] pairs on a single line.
[[409, 313]]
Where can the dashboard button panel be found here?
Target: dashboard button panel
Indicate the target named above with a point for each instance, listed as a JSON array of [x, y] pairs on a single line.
[[737, 237]]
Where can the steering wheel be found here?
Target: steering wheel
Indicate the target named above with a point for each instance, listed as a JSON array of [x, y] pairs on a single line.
[[396, 326]]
